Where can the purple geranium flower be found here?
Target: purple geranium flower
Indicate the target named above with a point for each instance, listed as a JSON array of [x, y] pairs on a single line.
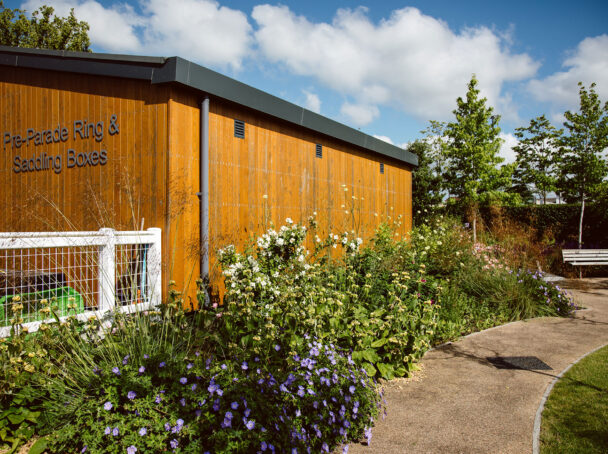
[[84, 449], [249, 424], [158, 399], [162, 364], [174, 443], [107, 431], [142, 369], [125, 360], [143, 431], [131, 450], [244, 366], [277, 347], [115, 431], [107, 406], [131, 395], [183, 380], [116, 370], [189, 366]]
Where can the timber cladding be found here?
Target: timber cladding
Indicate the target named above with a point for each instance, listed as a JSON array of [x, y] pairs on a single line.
[[278, 160], [83, 151]]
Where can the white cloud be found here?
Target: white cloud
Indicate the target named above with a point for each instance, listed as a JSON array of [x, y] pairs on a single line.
[[410, 60], [587, 63], [312, 101], [506, 149], [200, 30], [110, 28], [384, 138], [359, 114]]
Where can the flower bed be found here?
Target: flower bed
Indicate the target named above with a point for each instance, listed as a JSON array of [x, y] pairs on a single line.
[[288, 362]]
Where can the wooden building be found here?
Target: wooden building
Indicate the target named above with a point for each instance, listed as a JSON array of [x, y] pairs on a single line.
[[96, 140]]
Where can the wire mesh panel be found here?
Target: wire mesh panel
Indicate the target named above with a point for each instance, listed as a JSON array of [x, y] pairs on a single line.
[[77, 273], [132, 286], [63, 278]]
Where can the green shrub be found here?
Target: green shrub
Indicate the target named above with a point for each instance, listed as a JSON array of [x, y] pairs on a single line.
[[375, 301], [482, 284], [313, 399]]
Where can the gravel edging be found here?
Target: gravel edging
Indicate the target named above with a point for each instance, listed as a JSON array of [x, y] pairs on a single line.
[[541, 407]]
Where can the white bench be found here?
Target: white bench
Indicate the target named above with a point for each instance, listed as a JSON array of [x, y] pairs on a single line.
[[585, 256], [580, 257]]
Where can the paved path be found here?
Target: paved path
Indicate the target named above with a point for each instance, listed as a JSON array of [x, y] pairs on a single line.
[[463, 404]]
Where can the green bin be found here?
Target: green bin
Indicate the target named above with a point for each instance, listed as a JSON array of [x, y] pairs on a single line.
[[31, 304]]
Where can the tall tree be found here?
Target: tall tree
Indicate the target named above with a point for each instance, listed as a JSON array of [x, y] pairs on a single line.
[[537, 153], [583, 168], [43, 30], [426, 181], [471, 151]]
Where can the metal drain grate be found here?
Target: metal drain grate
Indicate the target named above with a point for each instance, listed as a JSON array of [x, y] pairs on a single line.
[[518, 362]]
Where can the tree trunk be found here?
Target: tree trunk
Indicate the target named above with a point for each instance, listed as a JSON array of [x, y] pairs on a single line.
[[475, 226], [580, 224]]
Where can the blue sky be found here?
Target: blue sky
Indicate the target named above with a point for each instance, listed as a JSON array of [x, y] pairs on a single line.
[[385, 67]]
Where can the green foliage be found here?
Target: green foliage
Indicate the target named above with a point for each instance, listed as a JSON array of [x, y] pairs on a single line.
[[480, 287], [471, 148], [557, 223], [270, 368], [20, 418], [193, 402], [375, 302], [157, 381], [427, 178], [43, 30], [537, 153], [583, 168]]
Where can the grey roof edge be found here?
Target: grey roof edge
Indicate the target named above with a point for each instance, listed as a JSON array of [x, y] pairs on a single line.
[[178, 70], [83, 55]]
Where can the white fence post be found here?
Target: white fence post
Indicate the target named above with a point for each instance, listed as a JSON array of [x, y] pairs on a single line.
[[154, 265], [107, 271]]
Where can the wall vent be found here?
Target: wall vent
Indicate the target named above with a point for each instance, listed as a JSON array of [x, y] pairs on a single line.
[[319, 151], [239, 129], [381, 167]]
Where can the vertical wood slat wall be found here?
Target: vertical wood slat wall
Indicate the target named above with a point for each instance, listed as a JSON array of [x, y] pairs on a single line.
[[153, 169], [131, 186], [278, 160]]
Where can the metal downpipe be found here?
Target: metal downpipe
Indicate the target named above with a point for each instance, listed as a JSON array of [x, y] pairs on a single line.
[[203, 194]]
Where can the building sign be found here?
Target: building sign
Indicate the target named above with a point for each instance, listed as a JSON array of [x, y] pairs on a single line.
[[29, 159]]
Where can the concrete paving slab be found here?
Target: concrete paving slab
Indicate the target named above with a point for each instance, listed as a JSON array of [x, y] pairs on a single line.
[[465, 404]]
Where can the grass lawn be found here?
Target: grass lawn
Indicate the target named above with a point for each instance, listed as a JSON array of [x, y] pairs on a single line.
[[575, 419]]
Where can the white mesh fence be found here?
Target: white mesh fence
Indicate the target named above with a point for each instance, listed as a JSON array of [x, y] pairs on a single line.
[[77, 273]]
